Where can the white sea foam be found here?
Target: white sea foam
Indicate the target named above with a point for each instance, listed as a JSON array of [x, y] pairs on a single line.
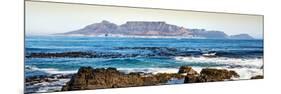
[[48, 86], [51, 70], [155, 70], [56, 71], [149, 70], [254, 62], [247, 68]]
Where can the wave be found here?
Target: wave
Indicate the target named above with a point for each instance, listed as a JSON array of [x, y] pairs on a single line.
[[46, 86], [49, 70], [149, 70], [246, 68], [231, 62]]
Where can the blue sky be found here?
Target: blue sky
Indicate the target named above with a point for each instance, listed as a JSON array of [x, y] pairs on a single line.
[[49, 18]]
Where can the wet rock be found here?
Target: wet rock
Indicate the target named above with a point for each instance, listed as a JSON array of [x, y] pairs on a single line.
[[188, 70], [191, 74], [164, 77], [89, 78], [211, 75], [257, 77], [191, 79]]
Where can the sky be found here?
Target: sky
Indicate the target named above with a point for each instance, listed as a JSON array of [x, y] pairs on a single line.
[[49, 18]]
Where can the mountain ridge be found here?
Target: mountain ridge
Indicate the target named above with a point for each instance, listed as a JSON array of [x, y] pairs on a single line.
[[150, 28]]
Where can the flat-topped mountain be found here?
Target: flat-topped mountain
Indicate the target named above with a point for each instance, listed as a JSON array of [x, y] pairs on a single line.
[[148, 29], [137, 28]]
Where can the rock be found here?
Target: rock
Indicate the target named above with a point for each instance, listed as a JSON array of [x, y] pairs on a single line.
[[257, 77], [191, 75], [188, 70], [164, 77], [89, 78], [234, 74], [191, 79], [211, 75]]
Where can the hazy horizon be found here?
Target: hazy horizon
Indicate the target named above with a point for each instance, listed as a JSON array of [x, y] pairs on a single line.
[[50, 18]]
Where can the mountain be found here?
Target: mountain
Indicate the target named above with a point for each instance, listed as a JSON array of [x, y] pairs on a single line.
[[136, 28], [96, 29], [208, 34], [148, 29], [241, 36]]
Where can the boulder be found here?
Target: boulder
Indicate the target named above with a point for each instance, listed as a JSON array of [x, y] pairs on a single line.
[[191, 79], [211, 75], [164, 77], [89, 78], [191, 75], [188, 70], [257, 77]]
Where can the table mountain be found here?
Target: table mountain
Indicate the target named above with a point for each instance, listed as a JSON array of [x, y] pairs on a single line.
[[148, 29]]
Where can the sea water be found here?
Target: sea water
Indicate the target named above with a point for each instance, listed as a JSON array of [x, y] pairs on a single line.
[[243, 56]]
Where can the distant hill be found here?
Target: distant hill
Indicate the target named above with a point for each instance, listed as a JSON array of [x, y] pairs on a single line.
[[241, 36], [148, 29]]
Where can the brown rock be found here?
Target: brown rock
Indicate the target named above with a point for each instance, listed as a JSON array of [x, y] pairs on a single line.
[[188, 70], [211, 75], [257, 77], [164, 77], [88, 78], [191, 79]]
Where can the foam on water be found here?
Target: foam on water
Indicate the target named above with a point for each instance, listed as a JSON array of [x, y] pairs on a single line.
[[149, 70], [47, 86], [246, 68], [50, 70], [249, 62]]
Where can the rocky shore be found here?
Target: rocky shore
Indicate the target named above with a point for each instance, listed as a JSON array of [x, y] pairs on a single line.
[[89, 78]]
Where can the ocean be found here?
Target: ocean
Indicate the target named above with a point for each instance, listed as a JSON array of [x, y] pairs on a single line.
[[151, 55]]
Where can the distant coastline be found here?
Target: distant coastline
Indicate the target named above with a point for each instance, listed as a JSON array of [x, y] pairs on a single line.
[[127, 36], [149, 29]]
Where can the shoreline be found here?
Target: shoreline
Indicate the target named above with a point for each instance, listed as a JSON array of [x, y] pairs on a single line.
[[55, 78], [142, 37]]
